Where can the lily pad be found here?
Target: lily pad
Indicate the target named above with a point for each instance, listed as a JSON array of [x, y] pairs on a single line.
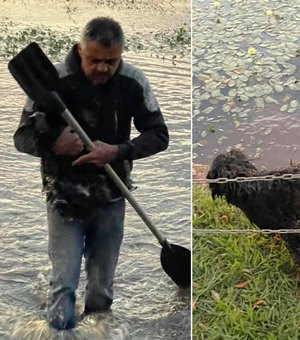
[[232, 92], [294, 103], [278, 88], [208, 110], [259, 102], [284, 107]]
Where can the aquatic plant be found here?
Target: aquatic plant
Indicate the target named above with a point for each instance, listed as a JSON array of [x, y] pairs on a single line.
[[70, 9], [54, 43], [14, 37]]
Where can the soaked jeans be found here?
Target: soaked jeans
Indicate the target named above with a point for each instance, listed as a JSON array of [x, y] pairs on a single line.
[[98, 238]]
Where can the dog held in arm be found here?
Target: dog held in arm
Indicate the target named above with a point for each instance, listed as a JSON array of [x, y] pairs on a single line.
[[271, 204]]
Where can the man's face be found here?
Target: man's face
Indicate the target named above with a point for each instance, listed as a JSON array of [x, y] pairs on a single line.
[[99, 62]]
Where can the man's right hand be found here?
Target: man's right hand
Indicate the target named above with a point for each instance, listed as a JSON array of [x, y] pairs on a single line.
[[68, 143]]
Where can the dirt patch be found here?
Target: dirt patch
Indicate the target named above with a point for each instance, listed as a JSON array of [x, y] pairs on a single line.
[[199, 173]]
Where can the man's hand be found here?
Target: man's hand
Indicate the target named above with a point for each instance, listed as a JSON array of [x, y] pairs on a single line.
[[68, 143], [100, 154]]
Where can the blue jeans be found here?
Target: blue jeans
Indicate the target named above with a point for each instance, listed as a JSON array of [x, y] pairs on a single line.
[[98, 238]]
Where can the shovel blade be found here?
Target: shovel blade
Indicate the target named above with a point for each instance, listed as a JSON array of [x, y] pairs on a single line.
[[34, 72], [176, 262]]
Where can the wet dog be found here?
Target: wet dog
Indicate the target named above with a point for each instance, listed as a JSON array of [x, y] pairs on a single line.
[[271, 204]]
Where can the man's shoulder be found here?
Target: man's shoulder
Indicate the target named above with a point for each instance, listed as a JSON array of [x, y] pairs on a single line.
[[134, 73]]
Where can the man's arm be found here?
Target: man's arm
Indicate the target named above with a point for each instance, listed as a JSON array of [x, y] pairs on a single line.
[[149, 121], [35, 135], [153, 137]]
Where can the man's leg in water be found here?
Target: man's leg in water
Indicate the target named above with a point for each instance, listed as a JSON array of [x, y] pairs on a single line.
[[66, 243], [103, 240]]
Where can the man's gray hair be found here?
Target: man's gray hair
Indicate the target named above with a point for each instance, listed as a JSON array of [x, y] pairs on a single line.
[[104, 31]]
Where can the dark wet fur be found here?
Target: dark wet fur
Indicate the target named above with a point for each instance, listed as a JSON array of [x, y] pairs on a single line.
[[72, 201], [75, 191], [269, 204]]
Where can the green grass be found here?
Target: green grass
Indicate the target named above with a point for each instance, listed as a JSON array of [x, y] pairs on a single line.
[[268, 307]]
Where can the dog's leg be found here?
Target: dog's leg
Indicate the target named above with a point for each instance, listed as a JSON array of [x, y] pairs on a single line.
[[293, 245]]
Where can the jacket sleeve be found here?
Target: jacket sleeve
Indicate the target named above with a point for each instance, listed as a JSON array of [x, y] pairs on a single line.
[[149, 121], [35, 134]]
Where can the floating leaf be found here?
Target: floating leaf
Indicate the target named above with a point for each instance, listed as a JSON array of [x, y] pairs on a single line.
[[292, 110], [226, 108], [231, 83], [259, 102], [208, 110], [244, 98], [294, 103], [216, 4], [244, 78], [284, 107], [290, 69], [251, 51], [269, 12], [232, 93], [271, 100], [215, 93], [213, 101], [268, 131], [236, 123], [278, 88]]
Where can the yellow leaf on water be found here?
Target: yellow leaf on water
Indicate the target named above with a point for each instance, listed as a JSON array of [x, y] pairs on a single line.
[[216, 4], [251, 51], [269, 12]]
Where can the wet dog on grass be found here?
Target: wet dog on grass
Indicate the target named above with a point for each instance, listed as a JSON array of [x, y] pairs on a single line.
[[271, 204]]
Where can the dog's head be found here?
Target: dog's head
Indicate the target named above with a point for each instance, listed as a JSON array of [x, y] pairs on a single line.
[[230, 165]]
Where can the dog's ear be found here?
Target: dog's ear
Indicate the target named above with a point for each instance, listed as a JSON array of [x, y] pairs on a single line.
[[212, 174], [219, 168], [214, 187]]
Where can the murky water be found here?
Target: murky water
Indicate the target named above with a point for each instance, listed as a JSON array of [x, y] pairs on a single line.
[[246, 80], [147, 303]]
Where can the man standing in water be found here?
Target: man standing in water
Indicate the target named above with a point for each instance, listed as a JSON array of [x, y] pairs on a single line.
[[85, 209]]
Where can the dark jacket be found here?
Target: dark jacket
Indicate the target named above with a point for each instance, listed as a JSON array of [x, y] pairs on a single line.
[[105, 112]]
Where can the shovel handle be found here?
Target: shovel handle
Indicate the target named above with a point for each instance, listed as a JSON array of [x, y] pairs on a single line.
[[116, 179]]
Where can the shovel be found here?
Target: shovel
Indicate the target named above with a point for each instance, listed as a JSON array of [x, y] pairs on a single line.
[[39, 79]]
